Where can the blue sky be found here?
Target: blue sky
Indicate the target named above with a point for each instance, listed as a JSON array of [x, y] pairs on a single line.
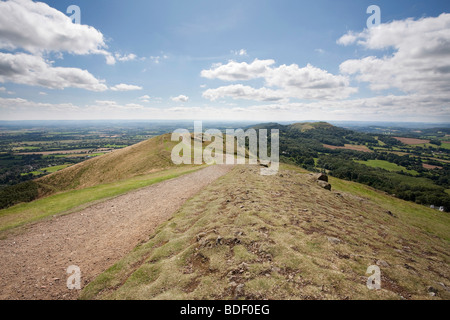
[[178, 61]]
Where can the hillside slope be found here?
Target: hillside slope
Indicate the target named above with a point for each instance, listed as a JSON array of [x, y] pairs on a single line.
[[142, 158], [249, 236]]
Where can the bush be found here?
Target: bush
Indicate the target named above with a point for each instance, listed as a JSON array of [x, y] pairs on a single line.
[[22, 192]]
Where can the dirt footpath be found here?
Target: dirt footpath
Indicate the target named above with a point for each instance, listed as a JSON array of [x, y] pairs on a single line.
[[33, 264]]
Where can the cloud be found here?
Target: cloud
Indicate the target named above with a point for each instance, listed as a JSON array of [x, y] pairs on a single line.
[[309, 82], [109, 105], [37, 28], [43, 93], [20, 105], [420, 62], [2, 89], [427, 107], [347, 39], [180, 98], [290, 81], [125, 87], [35, 71], [234, 71], [145, 99], [240, 91], [157, 59], [124, 58], [241, 52]]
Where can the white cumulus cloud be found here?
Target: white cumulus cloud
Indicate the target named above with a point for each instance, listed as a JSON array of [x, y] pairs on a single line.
[[420, 62], [35, 71], [180, 98], [287, 81], [127, 57], [125, 87], [239, 91], [233, 71], [36, 27]]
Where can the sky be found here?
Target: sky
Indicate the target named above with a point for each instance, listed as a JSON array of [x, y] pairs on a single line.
[[258, 60]]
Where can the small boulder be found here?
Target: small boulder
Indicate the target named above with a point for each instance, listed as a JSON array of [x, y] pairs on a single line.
[[322, 177], [382, 263], [324, 185], [432, 291]]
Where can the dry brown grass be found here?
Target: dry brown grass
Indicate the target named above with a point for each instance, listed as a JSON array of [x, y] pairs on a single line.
[[411, 141], [431, 167], [349, 147], [143, 158]]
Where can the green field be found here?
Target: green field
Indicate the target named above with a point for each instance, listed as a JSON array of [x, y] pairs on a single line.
[[386, 166], [48, 170], [69, 201]]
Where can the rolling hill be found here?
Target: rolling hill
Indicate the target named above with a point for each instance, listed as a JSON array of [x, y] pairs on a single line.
[[143, 158]]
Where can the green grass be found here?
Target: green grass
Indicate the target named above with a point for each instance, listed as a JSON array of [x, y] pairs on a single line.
[[424, 145], [381, 143], [445, 145], [423, 217], [26, 149], [68, 155], [47, 170], [116, 146], [71, 200], [386, 166]]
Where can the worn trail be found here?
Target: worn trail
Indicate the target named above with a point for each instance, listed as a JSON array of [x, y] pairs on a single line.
[[33, 263]]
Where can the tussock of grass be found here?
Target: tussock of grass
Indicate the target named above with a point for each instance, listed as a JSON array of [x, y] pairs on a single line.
[[248, 236]]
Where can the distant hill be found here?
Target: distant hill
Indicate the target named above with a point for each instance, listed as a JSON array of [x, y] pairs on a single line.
[[311, 125], [142, 158], [303, 126]]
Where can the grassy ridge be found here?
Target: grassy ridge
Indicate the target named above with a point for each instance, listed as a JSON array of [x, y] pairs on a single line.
[[248, 236], [143, 158]]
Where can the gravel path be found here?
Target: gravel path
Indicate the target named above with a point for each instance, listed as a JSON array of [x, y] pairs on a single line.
[[33, 264]]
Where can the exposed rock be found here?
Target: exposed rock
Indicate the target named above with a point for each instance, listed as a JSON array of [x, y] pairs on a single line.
[[431, 289], [391, 214], [324, 185], [382, 263], [322, 177]]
